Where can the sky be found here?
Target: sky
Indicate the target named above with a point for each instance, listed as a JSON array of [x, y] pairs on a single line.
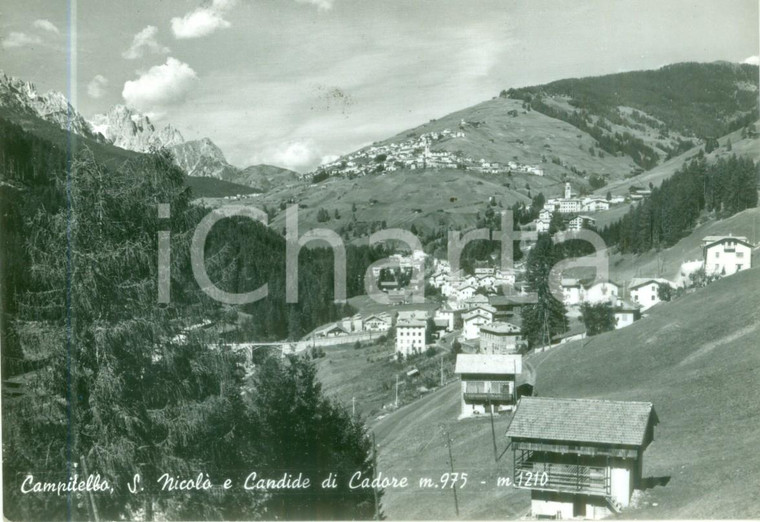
[[296, 82]]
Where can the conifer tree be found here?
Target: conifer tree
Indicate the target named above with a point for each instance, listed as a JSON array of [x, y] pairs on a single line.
[[547, 316], [119, 394]]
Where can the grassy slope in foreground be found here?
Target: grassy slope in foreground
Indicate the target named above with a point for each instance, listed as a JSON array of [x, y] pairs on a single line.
[[696, 359]]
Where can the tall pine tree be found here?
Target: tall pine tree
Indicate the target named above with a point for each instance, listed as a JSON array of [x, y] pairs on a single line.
[[546, 317]]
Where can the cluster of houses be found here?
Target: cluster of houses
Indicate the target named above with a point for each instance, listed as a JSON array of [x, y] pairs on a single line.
[[410, 154], [490, 364], [570, 206], [459, 287], [485, 322], [643, 294], [348, 326], [416, 153], [486, 318], [721, 256]]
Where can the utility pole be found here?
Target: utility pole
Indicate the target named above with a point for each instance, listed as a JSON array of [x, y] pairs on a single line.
[[441, 371], [451, 463], [374, 475], [397, 391], [353, 406], [493, 429]]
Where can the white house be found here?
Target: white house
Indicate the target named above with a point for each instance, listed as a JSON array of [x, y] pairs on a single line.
[[581, 222], [475, 301], [626, 314], [465, 291], [475, 318], [569, 206], [488, 382], [571, 289], [552, 204], [377, 322], [646, 291], [499, 338], [448, 314], [543, 221], [726, 255], [595, 205], [410, 332], [486, 281], [601, 292], [504, 278]]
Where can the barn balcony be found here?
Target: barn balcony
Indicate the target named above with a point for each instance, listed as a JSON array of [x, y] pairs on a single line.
[[532, 472], [485, 391], [485, 397]]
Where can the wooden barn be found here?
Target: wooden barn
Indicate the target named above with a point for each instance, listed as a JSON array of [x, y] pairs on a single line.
[[580, 458]]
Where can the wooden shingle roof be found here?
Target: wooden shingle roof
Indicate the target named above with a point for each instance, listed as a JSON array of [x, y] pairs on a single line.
[[582, 420]]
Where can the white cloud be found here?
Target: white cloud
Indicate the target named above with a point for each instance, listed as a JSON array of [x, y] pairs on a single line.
[[322, 5], [16, 39], [299, 155], [144, 41], [97, 86], [46, 25], [203, 21], [19, 39], [160, 86], [753, 60]]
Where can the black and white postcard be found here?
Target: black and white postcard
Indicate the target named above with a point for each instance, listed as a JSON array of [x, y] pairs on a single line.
[[379, 260]]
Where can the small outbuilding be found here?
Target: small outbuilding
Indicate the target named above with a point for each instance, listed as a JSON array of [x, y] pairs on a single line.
[[580, 458]]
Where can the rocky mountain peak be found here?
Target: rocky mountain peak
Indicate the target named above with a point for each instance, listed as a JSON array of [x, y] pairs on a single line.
[[53, 106], [129, 129]]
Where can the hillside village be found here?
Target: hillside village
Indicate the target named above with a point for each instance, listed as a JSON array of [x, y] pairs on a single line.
[[489, 300], [416, 153], [561, 400]]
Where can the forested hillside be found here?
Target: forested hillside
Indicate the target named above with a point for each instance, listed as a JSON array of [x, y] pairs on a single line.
[[652, 115], [725, 187], [101, 378], [242, 254], [695, 99]]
